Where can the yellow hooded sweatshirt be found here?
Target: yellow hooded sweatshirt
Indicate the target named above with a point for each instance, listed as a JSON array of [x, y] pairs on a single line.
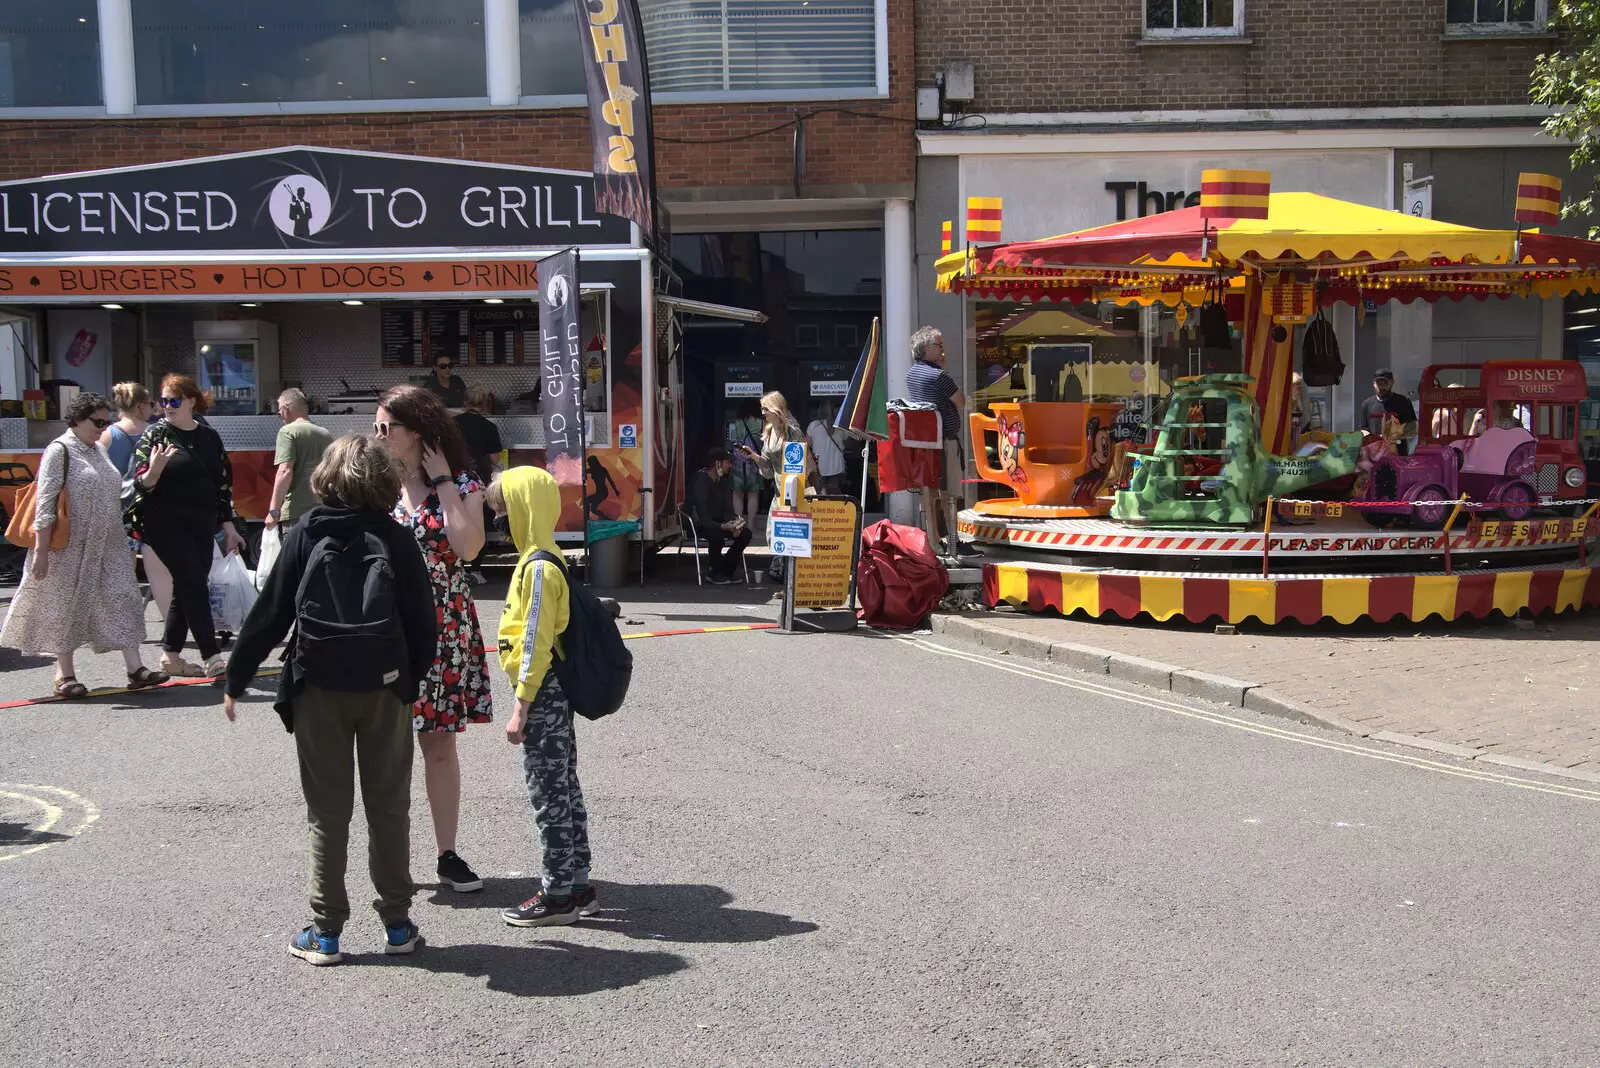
[[536, 606]]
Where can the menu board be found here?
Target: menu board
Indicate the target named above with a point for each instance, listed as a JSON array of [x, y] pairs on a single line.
[[416, 336], [498, 334]]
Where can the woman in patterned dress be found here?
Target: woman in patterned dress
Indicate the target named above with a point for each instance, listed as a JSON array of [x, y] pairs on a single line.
[[442, 504], [86, 593]]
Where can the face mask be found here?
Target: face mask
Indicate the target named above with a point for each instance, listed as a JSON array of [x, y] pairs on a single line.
[[502, 523]]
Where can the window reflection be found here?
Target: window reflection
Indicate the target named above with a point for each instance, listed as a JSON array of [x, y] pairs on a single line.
[[552, 64], [49, 53], [244, 51]]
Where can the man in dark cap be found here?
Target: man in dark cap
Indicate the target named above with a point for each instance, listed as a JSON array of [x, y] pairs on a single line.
[[1385, 401]]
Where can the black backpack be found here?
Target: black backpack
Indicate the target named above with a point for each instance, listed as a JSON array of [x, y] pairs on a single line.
[[1320, 362], [347, 629], [598, 667]]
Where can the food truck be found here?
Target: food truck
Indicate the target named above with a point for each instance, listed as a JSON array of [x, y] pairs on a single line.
[[343, 273], [1459, 400]]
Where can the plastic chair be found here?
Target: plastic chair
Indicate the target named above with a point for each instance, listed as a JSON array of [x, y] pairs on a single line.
[[687, 520]]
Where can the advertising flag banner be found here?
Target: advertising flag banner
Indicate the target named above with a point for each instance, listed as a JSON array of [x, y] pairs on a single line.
[[561, 367], [616, 75], [1228, 194]]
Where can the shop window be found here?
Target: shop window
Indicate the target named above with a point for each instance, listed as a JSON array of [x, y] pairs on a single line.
[[1193, 18], [845, 336], [734, 46], [807, 336], [49, 53], [552, 61], [1468, 17], [267, 51]]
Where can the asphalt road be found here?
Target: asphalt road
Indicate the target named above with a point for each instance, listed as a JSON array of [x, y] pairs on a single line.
[[811, 850]]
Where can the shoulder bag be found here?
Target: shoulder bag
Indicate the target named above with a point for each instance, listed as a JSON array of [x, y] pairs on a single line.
[[20, 530]]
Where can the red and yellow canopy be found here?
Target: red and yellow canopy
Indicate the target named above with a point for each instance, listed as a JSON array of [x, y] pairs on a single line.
[[1355, 249]]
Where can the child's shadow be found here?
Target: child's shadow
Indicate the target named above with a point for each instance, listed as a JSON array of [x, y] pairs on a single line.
[[546, 969]]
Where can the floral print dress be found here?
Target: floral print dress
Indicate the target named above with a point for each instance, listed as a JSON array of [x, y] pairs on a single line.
[[456, 690]]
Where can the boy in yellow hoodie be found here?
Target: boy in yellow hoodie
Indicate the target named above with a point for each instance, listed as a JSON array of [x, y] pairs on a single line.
[[535, 617]]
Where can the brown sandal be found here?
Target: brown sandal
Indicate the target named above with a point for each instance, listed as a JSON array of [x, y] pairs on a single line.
[[70, 688], [144, 678]]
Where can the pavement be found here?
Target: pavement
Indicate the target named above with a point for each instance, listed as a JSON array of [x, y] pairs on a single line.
[[819, 849], [1517, 692]]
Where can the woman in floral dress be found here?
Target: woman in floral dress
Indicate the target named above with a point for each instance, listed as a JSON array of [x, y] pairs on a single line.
[[442, 504]]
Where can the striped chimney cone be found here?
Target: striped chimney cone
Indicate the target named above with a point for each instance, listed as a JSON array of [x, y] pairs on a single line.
[[944, 237], [1538, 199], [1234, 194], [983, 220]]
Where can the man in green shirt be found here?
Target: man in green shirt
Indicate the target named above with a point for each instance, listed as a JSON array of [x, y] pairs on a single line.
[[301, 444]]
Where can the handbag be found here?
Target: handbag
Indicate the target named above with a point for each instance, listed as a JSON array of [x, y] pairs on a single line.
[[20, 530]]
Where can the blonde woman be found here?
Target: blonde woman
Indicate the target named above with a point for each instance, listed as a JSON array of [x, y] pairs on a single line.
[[135, 409], [777, 430]]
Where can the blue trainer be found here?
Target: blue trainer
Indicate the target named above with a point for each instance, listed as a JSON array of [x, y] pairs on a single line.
[[402, 937], [316, 947]]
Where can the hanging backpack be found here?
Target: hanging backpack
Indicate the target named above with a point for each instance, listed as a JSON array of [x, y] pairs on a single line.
[[597, 668], [347, 629], [1320, 363]]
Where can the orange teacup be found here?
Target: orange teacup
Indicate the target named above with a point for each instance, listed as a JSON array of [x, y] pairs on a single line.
[[1050, 453]]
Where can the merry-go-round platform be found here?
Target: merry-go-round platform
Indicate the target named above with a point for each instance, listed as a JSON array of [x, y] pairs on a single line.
[[1325, 568]]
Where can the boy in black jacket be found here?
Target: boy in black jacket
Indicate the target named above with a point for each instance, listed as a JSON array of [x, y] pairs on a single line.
[[358, 483]]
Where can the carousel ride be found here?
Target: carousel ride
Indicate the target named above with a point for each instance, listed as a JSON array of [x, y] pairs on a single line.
[[1227, 512]]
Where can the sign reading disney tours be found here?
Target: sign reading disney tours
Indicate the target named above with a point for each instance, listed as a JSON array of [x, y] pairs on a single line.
[[307, 199]]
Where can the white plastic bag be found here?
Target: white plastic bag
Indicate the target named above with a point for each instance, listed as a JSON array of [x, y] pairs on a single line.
[[271, 546], [233, 592]]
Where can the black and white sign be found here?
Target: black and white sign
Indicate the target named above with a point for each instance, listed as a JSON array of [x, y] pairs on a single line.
[[561, 364], [304, 198]]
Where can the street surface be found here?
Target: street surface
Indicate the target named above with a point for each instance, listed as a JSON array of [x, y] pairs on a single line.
[[1519, 688], [810, 850]]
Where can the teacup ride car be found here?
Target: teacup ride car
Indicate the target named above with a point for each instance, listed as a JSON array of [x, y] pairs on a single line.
[[1495, 471], [1053, 455]]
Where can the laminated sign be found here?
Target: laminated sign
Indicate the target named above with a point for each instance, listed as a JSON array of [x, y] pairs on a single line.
[[791, 534], [822, 580]]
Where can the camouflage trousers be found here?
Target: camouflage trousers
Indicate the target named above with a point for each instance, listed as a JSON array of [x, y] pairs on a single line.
[[550, 765]]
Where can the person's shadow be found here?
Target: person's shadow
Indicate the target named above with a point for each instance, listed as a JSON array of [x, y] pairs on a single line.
[[655, 912], [545, 969]]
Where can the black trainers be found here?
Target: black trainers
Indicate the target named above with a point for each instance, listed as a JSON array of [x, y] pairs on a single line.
[[541, 910], [586, 899], [453, 870]]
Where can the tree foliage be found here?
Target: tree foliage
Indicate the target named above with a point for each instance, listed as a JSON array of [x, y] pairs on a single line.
[[1568, 80]]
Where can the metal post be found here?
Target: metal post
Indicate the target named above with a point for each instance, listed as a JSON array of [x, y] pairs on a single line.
[[1266, 541], [116, 56], [786, 620], [502, 46]]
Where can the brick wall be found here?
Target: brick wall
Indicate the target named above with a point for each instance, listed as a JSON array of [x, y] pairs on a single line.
[[1087, 56], [840, 148]]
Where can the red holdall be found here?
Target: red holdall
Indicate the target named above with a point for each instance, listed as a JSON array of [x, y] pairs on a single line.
[[911, 457], [900, 579]]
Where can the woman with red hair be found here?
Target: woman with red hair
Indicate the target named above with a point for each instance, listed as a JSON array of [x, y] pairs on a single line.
[[183, 498]]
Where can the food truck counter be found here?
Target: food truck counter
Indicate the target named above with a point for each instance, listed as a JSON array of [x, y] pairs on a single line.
[[247, 433]]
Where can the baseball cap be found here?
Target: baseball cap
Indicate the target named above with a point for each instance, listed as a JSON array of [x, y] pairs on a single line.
[[1383, 372]]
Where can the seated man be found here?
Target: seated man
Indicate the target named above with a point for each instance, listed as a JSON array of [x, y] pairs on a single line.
[[711, 508]]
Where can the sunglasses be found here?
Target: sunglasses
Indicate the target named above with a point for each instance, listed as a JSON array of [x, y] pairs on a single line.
[[100, 424], [442, 366], [380, 430], [171, 402]]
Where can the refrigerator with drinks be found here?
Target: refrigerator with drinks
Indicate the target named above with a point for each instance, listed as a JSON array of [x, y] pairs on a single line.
[[238, 365]]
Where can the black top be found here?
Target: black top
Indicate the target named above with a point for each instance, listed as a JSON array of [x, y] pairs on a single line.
[[454, 395], [196, 484], [483, 442], [274, 610], [710, 501]]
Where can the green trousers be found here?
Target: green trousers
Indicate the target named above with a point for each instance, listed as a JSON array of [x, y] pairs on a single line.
[[376, 726]]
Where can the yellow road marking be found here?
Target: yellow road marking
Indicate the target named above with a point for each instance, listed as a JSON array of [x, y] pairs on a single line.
[[1578, 793]]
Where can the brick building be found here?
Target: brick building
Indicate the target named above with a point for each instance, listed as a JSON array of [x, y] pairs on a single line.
[[785, 155], [1113, 109]]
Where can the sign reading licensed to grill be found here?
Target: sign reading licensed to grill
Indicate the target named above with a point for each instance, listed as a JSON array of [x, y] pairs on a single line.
[[307, 199]]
